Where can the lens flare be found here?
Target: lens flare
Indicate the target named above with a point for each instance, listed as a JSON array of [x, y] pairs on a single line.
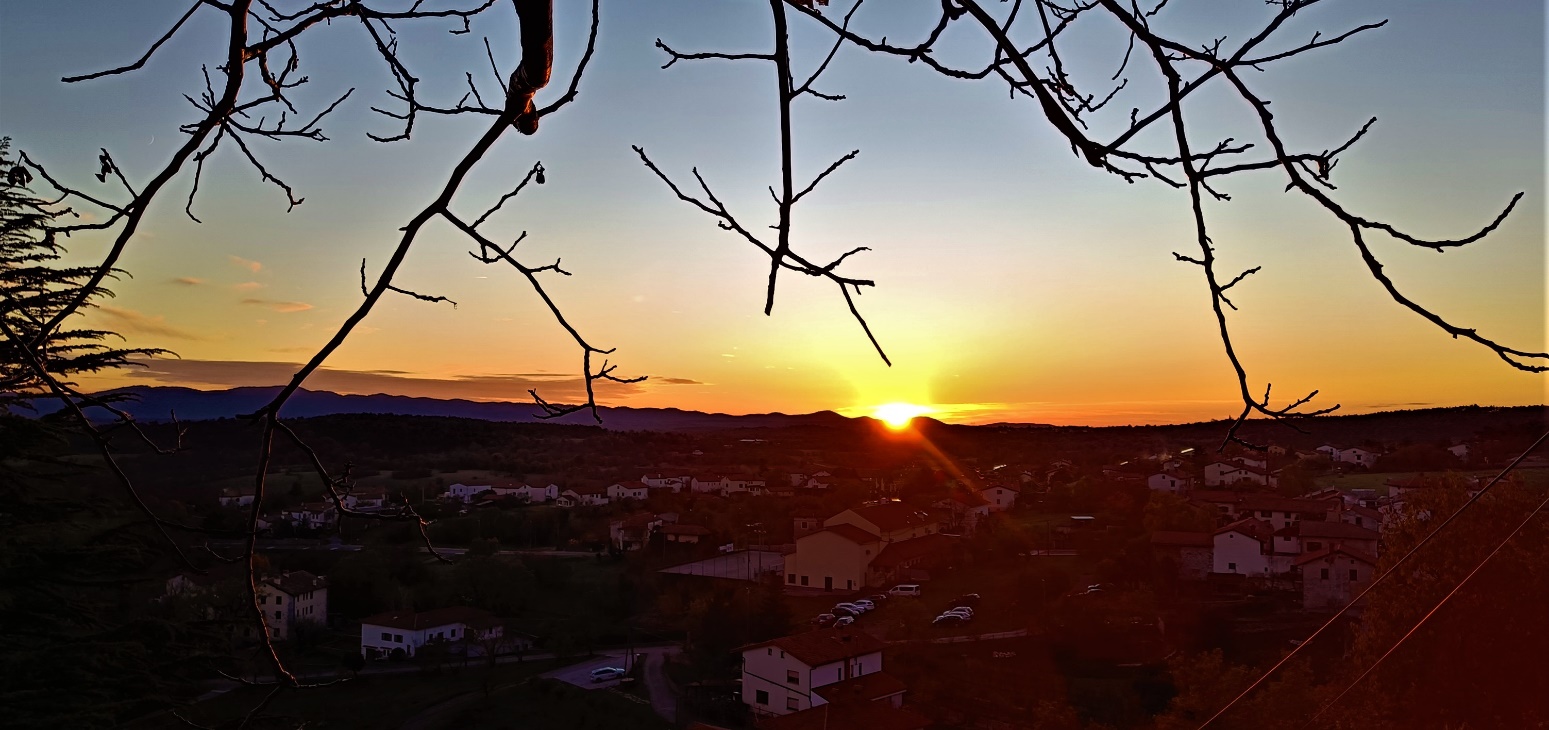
[[898, 415]]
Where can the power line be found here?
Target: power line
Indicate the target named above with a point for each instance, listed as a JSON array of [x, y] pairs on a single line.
[[1433, 610], [1330, 622]]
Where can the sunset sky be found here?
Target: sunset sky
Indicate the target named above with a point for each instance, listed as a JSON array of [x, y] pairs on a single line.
[[1015, 283]]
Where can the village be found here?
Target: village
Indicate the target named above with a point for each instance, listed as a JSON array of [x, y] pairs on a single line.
[[788, 598]]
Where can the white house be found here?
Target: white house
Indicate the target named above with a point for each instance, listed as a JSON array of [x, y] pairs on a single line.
[[1243, 548], [780, 677], [587, 496], [1164, 482], [464, 492], [366, 498], [1460, 451], [1357, 456], [292, 598], [399, 634], [662, 481], [236, 497], [531, 493], [312, 515], [742, 483], [1001, 496], [628, 490], [707, 484]]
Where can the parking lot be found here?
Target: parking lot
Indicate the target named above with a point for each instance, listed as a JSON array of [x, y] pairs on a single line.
[[580, 674]]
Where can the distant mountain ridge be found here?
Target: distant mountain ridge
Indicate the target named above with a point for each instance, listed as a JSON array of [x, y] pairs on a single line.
[[159, 403]]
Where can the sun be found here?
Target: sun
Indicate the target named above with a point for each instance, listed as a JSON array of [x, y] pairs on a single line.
[[898, 415]]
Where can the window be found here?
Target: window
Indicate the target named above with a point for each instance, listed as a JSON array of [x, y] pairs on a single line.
[[1314, 545], [761, 697], [386, 636], [791, 677], [769, 652], [397, 638], [804, 580], [454, 633], [277, 614], [791, 704], [1232, 567], [1353, 574], [279, 600], [262, 600], [790, 577], [1323, 574], [1266, 514]]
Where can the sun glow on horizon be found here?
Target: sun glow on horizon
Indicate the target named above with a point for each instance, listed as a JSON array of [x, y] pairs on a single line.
[[898, 415]]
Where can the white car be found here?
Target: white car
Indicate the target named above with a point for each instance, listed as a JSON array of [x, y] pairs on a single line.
[[909, 590], [606, 674], [963, 611], [843, 621], [865, 603], [851, 607]]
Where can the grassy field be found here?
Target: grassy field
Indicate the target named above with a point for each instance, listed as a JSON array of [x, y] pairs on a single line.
[[1361, 480], [370, 701]]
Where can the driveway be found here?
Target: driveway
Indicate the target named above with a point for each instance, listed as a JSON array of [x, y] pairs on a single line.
[[664, 698]]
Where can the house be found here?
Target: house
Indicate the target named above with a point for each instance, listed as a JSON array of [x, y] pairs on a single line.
[[1190, 554], [1329, 450], [366, 499], [464, 492], [866, 546], [685, 534], [735, 483], [1361, 517], [662, 481], [586, 496], [707, 484], [628, 490], [1164, 482], [1334, 576], [400, 634], [779, 676], [1001, 496], [1243, 548], [237, 497], [805, 522], [291, 598], [312, 516], [1357, 456], [1311, 537], [965, 507], [1459, 450], [633, 532], [1281, 512], [528, 492]]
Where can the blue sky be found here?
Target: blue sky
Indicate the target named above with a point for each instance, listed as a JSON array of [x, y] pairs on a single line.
[[1015, 283]]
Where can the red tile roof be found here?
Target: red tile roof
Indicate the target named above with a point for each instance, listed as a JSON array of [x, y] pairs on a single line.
[[1336, 548], [894, 516], [824, 646], [852, 533], [298, 582], [901, 552], [1252, 527], [865, 688]]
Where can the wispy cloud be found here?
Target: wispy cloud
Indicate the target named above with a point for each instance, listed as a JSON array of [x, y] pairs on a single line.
[[248, 264], [247, 286], [676, 381], [130, 321], [278, 306], [559, 388], [188, 281]]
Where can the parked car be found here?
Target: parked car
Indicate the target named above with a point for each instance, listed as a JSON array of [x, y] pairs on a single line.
[[844, 621], [877, 598], [606, 674], [963, 611], [841, 611], [852, 607], [865, 604], [909, 590], [824, 619], [949, 619]]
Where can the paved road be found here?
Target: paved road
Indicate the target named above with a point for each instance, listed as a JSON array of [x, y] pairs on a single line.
[[664, 699]]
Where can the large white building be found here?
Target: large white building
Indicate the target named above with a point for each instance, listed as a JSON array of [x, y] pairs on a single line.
[[400, 634], [781, 676]]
